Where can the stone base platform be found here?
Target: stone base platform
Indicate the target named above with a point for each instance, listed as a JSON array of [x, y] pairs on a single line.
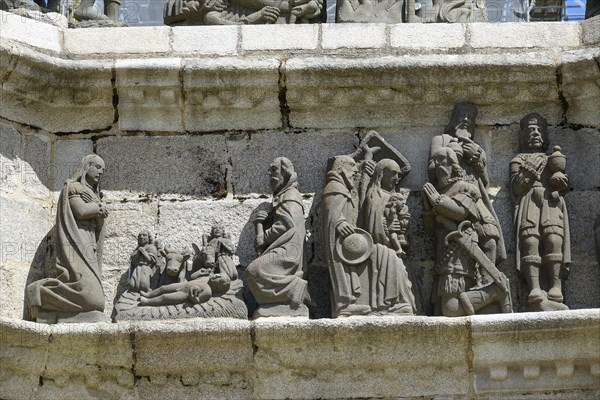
[[554, 355]]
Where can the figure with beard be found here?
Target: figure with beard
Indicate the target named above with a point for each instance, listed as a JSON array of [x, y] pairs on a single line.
[[462, 288], [76, 294], [276, 277], [367, 276], [537, 186]]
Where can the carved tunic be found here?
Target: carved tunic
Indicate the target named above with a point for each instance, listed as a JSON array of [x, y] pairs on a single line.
[[536, 211]]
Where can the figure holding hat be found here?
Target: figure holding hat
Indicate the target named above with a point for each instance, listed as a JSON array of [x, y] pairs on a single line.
[[537, 186], [360, 235]]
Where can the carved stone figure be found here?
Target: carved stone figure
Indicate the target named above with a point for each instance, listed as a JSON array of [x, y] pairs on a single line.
[[537, 186], [466, 241], [361, 233], [86, 11], [276, 277], [143, 263], [242, 12], [458, 136], [222, 252], [75, 294], [183, 288], [385, 11]]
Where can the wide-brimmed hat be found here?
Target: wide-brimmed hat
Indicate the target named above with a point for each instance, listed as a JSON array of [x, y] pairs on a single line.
[[355, 248]]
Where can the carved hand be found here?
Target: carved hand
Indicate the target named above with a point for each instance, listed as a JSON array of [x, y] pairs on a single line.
[[470, 148], [559, 181], [102, 210], [369, 167], [260, 217], [430, 193], [268, 15], [344, 229]]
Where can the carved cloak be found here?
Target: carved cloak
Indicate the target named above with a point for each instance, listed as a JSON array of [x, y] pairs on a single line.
[[78, 285]]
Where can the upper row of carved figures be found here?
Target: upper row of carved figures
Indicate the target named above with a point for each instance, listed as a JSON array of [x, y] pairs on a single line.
[[242, 12], [364, 220]]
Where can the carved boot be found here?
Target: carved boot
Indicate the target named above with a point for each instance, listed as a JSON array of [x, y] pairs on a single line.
[[86, 11], [466, 304], [111, 9], [531, 268], [553, 263]]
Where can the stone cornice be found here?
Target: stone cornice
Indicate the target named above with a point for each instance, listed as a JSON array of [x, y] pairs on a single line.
[[204, 79]]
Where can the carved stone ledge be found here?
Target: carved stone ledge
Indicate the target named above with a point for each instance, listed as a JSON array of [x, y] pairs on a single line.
[[546, 355], [55, 94], [581, 86], [327, 92]]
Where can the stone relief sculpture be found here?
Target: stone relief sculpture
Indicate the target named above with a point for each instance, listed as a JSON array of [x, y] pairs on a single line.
[[86, 12], [466, 239], [387, 11], [76, 293], [276, 277], [242, 12], [362, 234], [458, 193], [537, 185], [182, 286]]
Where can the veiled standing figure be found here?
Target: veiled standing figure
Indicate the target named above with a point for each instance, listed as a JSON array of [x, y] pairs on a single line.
[[76, 294], [276, 277], [390, 287]]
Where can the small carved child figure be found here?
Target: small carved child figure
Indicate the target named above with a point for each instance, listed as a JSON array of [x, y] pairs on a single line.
[[196, 291], [143, 263], [224, 250], [396, 214]]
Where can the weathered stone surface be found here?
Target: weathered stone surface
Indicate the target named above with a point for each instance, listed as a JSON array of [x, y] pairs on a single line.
[[23, 228], [231, 93], [29, 31], [13, 280], [353, 36], [251, 155], [548, 351], [68, 153], [591, 30], [149, 94], [428, 36], [389, 91], [520, 35], [131, 40], [280, 37], [125, 221], [218, 40], [58, 95], [180, 360], [10, 150], [581, 87], [398, 359], [51, 18], [196, 163], [36, 166]]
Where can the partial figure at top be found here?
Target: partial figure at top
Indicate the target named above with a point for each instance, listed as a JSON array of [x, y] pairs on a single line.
[[277, 277], [537, 185], [364, 226], [243, 12], [76, 293]]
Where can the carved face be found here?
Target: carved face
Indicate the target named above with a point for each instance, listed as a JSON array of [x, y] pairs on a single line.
[[143, 239], [276, 177], [535, 140], [350, 170], [443, 168], [95, 171], [216, 231], [390, 177], [464, 125]]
